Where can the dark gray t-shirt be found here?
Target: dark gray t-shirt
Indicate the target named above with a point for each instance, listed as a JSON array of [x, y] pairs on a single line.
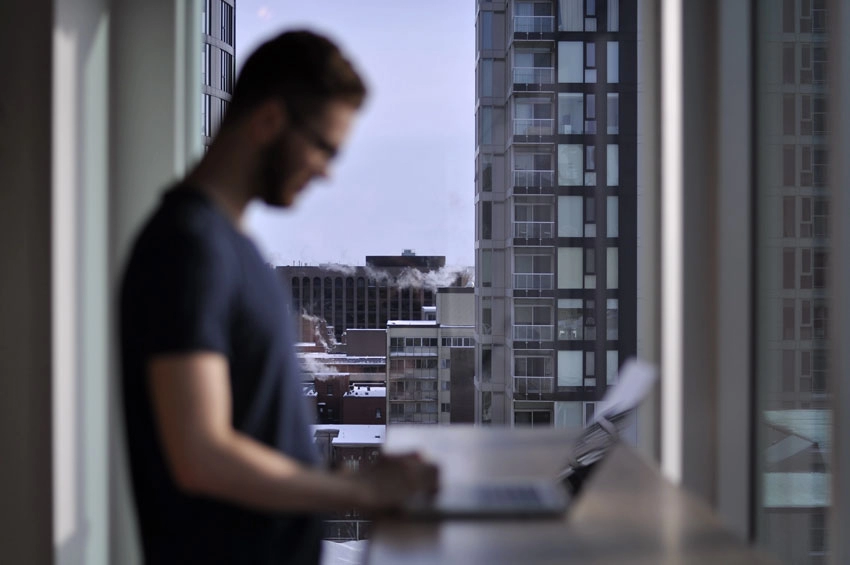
[[195, 283]]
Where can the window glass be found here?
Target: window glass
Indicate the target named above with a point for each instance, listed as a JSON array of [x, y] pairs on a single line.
[[570, 216], [613, 276], [613, 165], [570, 368], [613, 62], [570, 62], [571, 15], [570, 113], [570, 165], [613, 216], [570, 269], [613, 113], [612, 365]]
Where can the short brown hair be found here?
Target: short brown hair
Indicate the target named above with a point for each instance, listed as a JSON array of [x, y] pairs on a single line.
[[304, 69]]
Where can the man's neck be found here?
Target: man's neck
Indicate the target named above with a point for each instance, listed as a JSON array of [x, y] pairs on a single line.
[[224, 176]]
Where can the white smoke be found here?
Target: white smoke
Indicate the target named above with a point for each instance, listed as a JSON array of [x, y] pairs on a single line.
[[314, 366], [321, 335], [346, 270], [432, 280]]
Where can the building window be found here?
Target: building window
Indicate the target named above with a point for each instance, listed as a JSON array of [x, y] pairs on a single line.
[[613, 116], [570, 216], [788, 63], [227, 23], [226, 72], [205, 114], [789, 115], [613, 264], [612, 319], [570, 319], [613, 216], [613, 159], [487, 173], [570, 267], [613, 62], [486, 220], [206, 74], [486, 38], [444, 407], [570, 113], [485, 74], [788, 268], [570, 165], [533, 418], [205, 16], [486, 363], [570, 368], [789, 219], [612, 367], [378, 414]]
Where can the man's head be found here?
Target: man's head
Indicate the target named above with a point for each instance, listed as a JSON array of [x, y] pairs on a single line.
[[299, 95]]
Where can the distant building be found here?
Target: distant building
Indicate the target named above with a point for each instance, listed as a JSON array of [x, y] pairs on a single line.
[[431, 363], [347, 388], [218, 63], [366, 297], [348, 447]]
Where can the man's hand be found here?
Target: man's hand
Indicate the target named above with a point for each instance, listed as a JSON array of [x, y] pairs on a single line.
[[394, 480]]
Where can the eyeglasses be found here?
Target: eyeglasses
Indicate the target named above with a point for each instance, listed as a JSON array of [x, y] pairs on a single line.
[[316, 139]]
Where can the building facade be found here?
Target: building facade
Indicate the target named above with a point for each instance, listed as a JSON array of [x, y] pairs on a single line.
[[218, 63], [365, 297], [556, 206], [429, 377]]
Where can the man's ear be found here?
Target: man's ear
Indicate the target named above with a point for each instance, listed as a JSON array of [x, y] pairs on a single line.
[[268, 120]]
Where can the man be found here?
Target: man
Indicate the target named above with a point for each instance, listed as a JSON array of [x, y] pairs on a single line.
[[223, 463]]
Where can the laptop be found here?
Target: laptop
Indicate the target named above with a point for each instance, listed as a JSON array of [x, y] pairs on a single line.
[[547, 498]]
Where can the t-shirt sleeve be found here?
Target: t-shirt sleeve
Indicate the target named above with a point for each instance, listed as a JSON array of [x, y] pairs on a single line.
[[184, 299]]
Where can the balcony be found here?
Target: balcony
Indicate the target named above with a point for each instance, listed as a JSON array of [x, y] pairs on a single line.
[[534, 230], [533, 27], [534, 182], [534, 385], [420, 395], [534, 127], [534, 281], [533, 333], [416, 374], [534, 76]]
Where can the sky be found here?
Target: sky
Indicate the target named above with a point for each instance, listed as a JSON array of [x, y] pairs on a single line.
[[405, 178]]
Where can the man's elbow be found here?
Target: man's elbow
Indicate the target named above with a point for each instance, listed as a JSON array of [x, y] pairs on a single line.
[[195, 475]]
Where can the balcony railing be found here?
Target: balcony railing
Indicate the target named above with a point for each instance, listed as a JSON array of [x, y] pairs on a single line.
[[534, 385], [533, 333], [534, 178], [534, 281], [534, 75], [426, 374], [426, 395], [414, 419], [534, 24], [534, 229], [523, 126]]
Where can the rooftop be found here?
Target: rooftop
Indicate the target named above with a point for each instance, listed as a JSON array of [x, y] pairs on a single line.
[[354, 434]]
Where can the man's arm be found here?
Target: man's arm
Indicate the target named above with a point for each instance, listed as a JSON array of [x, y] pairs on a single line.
[[191, 400]]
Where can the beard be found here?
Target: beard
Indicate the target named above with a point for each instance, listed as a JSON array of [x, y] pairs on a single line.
[[276, 173]]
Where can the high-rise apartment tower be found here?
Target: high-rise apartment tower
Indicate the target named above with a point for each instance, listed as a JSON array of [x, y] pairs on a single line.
[[556, 206]]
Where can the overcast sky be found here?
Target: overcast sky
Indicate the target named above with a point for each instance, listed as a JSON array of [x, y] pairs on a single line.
[[405, 179]]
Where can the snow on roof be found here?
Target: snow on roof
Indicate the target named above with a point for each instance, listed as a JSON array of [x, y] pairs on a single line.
[[355, 434], [423, 323], [368, 390]]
